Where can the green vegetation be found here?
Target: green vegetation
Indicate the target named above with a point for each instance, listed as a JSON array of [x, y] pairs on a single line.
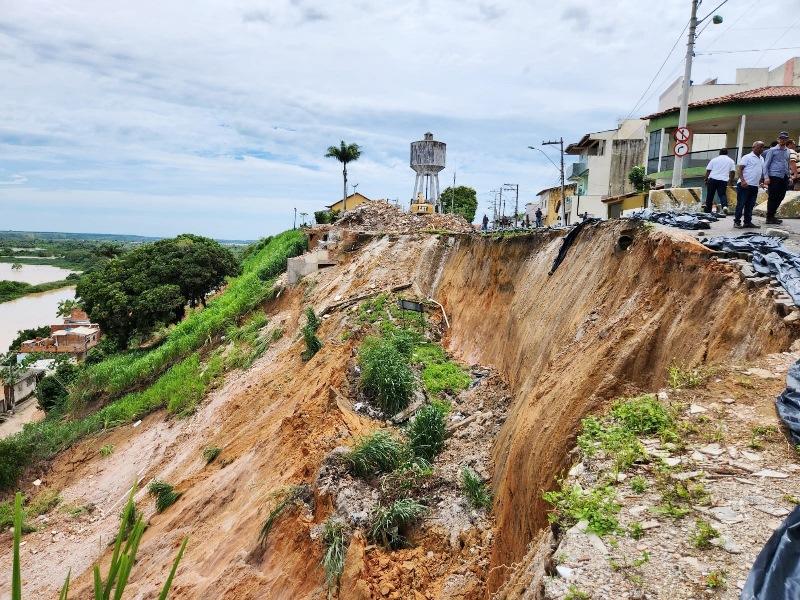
[[24, 335], [210, 453], [53, 390], [461, 200], [438, 373], [637, 176], [405, 480], [703, 534], [107, 450], [636, 531], [248, 342], [309, 331], [324, 217], [686, 377], [122, 559], [67, 251], [475, 490], [574, 593], [761, 434], [334, 538], [385, 374], [639, 484], [678, 497], [597, 506], [164, 493], [11, 290], [389, 522], [616, 433], [42, 503], [285, 498], [379, 452], [717, 579], [149, 286], [344, 153], [427, 431]]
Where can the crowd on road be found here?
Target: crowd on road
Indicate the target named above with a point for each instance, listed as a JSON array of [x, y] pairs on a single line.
[[775, 169]]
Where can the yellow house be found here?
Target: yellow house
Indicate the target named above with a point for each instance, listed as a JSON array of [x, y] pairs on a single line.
[[353, 200], [550, 202], [617, 204]]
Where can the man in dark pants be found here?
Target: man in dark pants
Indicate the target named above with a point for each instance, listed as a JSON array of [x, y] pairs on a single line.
[[751, 174], [776, 177], [719, 174]]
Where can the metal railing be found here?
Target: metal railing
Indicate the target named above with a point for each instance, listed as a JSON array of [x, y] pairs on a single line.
[[577, 169], [693, 159]]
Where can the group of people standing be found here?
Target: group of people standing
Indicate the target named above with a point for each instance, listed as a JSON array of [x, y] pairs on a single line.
[[775, 168]]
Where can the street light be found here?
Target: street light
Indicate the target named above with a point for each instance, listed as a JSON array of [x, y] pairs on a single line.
[[560, 142]]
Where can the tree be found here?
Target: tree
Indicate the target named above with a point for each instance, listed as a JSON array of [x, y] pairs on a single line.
[[149, 286], [638, 177], [345, 153], [52, 390], [65, 307], [461, 200]]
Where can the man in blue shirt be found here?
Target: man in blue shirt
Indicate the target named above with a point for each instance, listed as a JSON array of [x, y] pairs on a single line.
[[776, 177]]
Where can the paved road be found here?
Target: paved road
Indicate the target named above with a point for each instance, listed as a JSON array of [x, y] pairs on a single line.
[[789, 227]]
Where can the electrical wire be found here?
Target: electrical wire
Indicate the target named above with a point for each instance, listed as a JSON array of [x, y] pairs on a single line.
[[753, 50], [778, 39]]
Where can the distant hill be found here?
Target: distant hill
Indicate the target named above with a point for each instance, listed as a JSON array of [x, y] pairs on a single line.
[[91, 237]]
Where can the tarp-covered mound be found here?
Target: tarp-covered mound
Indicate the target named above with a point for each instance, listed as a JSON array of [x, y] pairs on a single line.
[[681, 220]]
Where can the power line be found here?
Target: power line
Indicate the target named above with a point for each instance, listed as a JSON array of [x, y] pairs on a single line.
[[753, 50], [778, 39], [649, 85]]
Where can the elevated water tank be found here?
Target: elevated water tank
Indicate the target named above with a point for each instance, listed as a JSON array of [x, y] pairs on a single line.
[[427, 159]]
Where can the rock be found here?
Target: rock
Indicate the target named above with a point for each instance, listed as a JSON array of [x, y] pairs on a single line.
[[727, 545], [760, 373], [638, 509], [651, 524], [792, 317], [725, 514], [686, 475], [672, 461], [663, 396], [564, 571], [37, 483], [728, 401], [778, 233], [697, 456], [696, 409], [137, 423], [595, 540], [714, 450], [751, 456], [771, 474], [733, 452], [795, 347], [692, 563], [577, 469], [747, 271], [773, 511]]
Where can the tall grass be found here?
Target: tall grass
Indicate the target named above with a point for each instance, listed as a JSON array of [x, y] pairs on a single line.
[[334, 538], [180, 377], [378, 452], [427, 431], [385, 375], [120, 373]]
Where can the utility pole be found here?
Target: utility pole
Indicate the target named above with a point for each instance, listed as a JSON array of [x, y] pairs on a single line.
[[560, 142], [515, 187], [294, 221], [677, 169], [502, 209], [453, 194], [494, 208]]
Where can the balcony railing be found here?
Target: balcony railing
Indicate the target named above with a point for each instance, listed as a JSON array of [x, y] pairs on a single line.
[[575, 170], [693, 159]]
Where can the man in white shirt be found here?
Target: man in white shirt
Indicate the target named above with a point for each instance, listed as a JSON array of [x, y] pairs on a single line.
[[719, 174], [751, 175]]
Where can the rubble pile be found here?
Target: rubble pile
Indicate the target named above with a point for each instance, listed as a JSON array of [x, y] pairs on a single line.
[[375, 216]]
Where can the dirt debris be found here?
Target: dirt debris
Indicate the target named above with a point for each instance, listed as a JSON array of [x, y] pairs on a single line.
[[375, 216]]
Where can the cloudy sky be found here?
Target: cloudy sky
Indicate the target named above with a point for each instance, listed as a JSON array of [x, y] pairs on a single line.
[[158, 117]]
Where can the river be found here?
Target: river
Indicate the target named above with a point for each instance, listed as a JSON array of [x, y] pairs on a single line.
[[30, 311], [33, 273]]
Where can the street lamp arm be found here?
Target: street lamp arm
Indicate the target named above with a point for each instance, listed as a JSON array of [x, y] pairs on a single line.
[[712, 11], [546, 156]]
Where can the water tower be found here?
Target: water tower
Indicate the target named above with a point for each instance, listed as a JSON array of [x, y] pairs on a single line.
[[427, 159]]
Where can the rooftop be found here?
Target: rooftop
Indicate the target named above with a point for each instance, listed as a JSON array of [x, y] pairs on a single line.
[[762, 93]]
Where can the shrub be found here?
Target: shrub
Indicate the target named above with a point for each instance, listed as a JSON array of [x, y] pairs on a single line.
[[107, 450], [379, 452], [427, 431], [639, 484], [644, 415], [385, 375], [703, 534], [474, 489], [334, 538], [389, 522], [52, 391], [210, 453], [164, 493], [597, 506], [717, 578], [636, 531], [309, 331]]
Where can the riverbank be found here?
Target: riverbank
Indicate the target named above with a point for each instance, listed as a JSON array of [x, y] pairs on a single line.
[[29, 312], [12, 290]]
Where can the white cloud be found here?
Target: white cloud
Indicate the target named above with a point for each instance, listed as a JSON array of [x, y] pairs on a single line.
[[149, 104]]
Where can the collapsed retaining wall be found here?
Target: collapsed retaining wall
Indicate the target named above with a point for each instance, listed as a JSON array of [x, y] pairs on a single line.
[[608, 322]]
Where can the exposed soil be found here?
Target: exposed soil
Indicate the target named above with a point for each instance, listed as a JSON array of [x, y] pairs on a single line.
[[558, 347]]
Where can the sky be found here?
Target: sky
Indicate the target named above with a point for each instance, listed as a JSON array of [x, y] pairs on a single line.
[[163, 117]]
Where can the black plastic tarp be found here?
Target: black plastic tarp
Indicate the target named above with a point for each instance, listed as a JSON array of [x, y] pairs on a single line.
[[681, 220], [788, 403], [770, 257], [568, 240], [776, 572]]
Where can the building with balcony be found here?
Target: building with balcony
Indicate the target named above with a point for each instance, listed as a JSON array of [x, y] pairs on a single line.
[[76, 336], [604, 160]]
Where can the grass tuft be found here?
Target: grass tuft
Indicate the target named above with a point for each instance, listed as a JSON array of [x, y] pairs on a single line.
[[427, 431], [389, 522], [438, 373], [703, 534], [385, 375], [285, 498], [210, 453], [475, 489], [596, 506], [164, 494], [378, 452], [309, 331], [716, 579], [107, 450], [334, 540], [680, 377]]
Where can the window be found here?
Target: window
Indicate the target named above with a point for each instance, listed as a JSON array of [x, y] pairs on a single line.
[[654, 146]]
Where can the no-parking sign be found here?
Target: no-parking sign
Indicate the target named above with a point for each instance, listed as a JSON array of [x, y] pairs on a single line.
[[682, 134]]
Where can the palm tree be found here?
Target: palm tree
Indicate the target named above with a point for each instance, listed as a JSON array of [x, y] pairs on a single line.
[[345, 153]]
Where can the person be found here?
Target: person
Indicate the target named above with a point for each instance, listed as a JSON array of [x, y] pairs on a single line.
[[527, 221], [751, 174], [776, 177], [794, 165], [719, 174], [538, 217], [485, 223]]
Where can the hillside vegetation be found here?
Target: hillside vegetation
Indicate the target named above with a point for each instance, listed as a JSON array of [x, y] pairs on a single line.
[[136, 383]]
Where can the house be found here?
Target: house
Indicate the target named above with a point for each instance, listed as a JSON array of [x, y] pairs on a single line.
[[604, 160], [550, 202], [76, 335], [353, 200], [757, 106], [23, 386]]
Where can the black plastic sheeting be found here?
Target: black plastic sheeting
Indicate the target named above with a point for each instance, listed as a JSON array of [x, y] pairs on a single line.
[[568, 240], [788, 403], [770, 257], [681, 220], [776, 572]]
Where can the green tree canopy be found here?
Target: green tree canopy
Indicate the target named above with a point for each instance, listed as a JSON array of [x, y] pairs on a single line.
[[150, 285], [463, 199]]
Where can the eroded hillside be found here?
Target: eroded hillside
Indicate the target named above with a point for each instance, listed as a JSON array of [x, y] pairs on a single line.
[[541, 352]]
